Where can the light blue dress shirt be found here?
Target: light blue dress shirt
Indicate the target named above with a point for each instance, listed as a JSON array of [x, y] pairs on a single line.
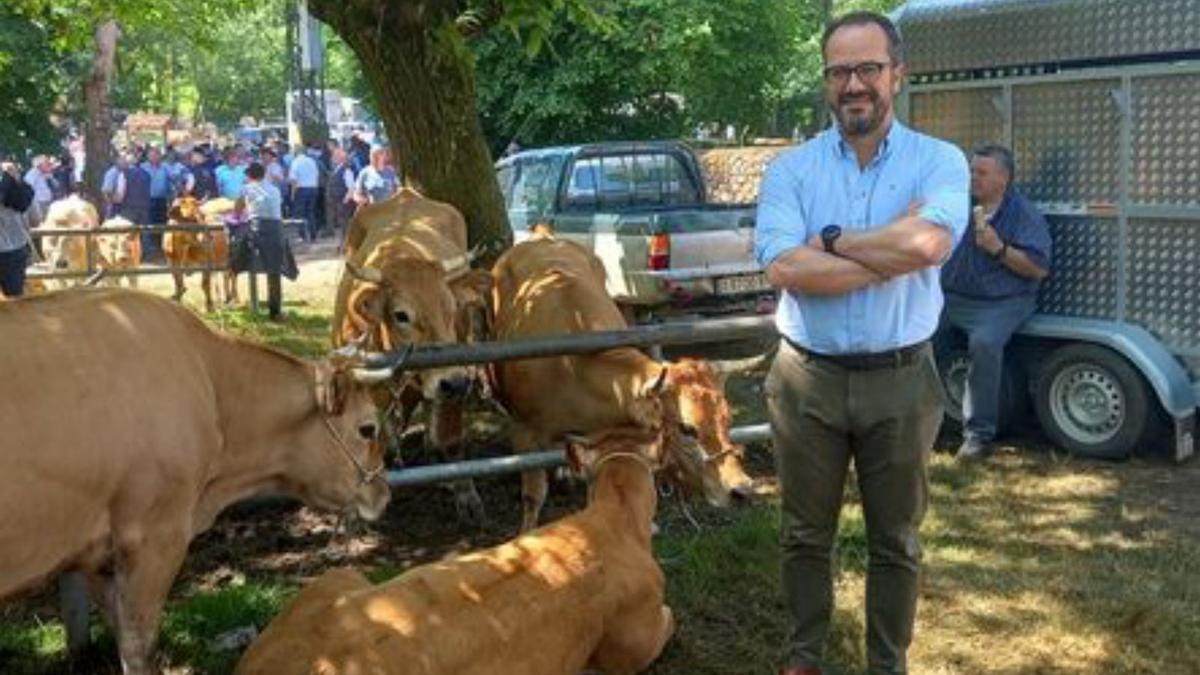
[[819, 184], [230, 180]]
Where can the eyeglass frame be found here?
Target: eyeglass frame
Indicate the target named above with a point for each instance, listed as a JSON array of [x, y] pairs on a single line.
[[828, 73]]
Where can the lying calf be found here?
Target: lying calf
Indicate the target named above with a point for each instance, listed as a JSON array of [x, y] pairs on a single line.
[[583, 592]]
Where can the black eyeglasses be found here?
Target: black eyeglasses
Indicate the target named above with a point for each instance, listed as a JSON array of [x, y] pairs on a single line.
[[867, 72]]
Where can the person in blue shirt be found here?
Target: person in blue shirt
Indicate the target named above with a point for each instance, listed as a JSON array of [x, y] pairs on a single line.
[[231, 175], [852, 227], [991, 283]]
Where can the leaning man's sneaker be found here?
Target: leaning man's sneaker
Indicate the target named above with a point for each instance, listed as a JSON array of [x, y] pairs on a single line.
[[972, 450]]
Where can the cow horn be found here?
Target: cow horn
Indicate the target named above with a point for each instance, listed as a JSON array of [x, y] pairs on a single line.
[[458, 265], [739, 366], [364, 273], [372, 375]]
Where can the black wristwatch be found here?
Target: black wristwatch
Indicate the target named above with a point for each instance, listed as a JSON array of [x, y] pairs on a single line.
[[829, 235]]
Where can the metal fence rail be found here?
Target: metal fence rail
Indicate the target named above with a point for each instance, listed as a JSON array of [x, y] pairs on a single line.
[[676, 333]]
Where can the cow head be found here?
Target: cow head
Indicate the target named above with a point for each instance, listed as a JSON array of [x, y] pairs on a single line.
[[119, 250], [185, 210], [697, 420], [346, 469], [410, 301]]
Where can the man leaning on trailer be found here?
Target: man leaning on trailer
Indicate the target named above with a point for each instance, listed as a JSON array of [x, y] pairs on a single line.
[[991, 283]]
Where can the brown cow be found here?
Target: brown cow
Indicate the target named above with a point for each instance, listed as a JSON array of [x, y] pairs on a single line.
[[409, 283], [199, 248], [144, 432], [547, 286], [583, 592]]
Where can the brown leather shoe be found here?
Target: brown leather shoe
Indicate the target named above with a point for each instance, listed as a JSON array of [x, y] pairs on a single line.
[[800, 670]]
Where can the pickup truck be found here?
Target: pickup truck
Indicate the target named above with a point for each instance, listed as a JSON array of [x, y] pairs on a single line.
[[642, 208]]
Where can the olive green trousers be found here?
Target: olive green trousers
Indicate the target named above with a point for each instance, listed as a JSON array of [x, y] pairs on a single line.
[[885, 419]]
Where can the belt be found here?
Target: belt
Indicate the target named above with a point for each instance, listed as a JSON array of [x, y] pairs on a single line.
[[893, 358]]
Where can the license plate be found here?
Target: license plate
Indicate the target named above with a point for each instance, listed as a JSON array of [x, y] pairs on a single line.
[[746, 283]]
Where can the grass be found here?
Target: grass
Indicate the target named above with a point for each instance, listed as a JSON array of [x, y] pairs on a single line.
[[1033, 564]]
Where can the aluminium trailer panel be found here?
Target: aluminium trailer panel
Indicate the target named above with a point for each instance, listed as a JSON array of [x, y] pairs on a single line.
[[1112, 155]]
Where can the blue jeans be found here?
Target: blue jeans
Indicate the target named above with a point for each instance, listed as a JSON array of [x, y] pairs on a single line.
[[304, 207], [988, 325]]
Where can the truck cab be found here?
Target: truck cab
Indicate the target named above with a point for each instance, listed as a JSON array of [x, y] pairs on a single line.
[[642, 208]]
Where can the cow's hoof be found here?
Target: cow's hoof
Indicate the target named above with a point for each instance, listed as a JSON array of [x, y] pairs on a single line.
[[470, 508]]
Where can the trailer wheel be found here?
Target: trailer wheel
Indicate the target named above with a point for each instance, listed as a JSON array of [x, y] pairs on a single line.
[[953, 364], [1092, 402]]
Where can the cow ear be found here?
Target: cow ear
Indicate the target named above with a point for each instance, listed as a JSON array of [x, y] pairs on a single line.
[[332, 386], [472, 288], [174, 213], [580, 456], [654, 385], [365, 309]]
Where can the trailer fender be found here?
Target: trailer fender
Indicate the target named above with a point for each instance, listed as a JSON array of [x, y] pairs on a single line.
[[1162, 371]]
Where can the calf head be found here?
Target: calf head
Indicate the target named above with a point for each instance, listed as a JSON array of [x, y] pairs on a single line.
[[342, 463], [185, 210], [586, 454], [697, 414], [119, 250], [413, 302]]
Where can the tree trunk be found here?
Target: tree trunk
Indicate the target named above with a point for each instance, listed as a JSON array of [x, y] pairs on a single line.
[[98, 130], [423, 76]]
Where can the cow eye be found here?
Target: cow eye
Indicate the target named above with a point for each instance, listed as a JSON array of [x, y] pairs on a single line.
[[688, 429], [401, 317], [367, 431]]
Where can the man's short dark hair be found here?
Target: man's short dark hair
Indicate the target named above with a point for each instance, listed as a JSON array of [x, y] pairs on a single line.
[[895, 44], [255, 171], [1002, 155]]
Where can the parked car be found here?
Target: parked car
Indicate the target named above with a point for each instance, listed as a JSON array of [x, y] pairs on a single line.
[[642, 208]]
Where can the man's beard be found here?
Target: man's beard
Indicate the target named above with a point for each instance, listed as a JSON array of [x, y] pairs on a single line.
[[860, 125]]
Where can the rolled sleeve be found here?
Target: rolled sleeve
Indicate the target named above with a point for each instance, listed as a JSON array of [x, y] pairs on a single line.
[[779, 225], [1033, 238], [946, 192]]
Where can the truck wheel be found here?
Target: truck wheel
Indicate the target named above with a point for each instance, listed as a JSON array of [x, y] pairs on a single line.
[[1092, 402], [952, 370]]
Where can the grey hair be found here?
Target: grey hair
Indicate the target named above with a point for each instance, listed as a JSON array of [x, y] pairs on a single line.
[[1002, 155]]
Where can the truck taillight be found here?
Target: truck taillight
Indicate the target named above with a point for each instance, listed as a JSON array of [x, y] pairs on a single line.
[[660, 252]]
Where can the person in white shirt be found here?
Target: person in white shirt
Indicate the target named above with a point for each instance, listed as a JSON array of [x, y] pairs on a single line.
[[262, 201], [304, 175], [113, 186], [377, 181], [38, 178]]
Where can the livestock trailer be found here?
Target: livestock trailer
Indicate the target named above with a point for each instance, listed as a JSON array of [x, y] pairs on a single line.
[[1100, 102]]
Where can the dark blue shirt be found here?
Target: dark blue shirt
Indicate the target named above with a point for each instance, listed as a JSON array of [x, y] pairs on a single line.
[[970, 271]]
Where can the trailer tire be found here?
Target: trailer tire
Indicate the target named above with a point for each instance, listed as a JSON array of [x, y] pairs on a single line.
[[953, 363], [1092, 402]]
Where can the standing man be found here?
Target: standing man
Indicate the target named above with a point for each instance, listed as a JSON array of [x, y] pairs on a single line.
[[851, 228], [15, 199], [202, 183], [231, 175], [113, 186], [991, 284], [340, 194], [377, 182], [304, 177], [39, 178], [161, 193]]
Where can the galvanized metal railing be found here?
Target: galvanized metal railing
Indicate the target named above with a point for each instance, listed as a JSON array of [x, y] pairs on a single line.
[[677, 333]]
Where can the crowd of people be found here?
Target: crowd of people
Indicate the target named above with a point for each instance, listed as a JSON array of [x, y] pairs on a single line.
[[320, 184]]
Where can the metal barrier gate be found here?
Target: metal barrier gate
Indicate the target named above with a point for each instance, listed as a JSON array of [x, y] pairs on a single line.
[[678, 333]]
